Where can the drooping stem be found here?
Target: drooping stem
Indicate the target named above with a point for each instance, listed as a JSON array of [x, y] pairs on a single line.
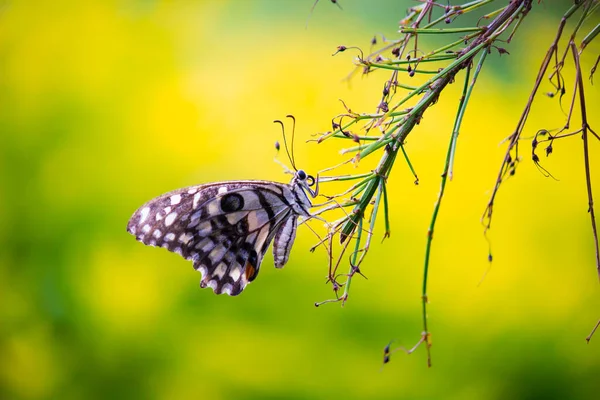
[[586, 152]]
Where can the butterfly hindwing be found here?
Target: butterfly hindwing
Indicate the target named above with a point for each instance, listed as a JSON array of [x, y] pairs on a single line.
[[230, 265], [224, 228], [284, 239]]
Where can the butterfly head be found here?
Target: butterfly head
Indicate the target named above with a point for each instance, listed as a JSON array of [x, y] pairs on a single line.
[[305, 181]]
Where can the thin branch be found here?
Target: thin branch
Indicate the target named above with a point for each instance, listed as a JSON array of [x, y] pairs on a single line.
[[586, 152]]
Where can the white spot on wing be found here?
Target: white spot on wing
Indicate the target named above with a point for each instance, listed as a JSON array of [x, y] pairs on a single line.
[[234, 217], [257, 219], [276, 189], [144, 214], [213, 208], [146, 228], [194, 219], [185, 238], [204, 228], [205, 245], [192, 191], [235, 274], [222, 189], [175, 199], [169, 237], [157, 234], [227, 289], [167, 210], [196, 200], [212, 284], [170, 218], [220, 270], [217, 253], [262, 236]]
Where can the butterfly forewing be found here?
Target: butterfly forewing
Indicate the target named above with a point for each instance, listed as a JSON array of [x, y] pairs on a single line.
[[224, 228]]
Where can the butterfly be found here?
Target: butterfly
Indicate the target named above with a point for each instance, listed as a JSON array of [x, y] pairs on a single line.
[[225, 228]]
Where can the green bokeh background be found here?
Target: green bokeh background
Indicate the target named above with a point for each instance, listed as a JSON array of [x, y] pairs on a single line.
[[106, 104]]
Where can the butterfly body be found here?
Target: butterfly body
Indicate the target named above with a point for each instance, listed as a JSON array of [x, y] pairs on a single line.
[[225, 228]]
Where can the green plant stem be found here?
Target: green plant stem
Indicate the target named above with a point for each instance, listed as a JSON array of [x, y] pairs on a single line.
[[438, 203], [590, 36], [462, 110], [438, 31], [433, 90]]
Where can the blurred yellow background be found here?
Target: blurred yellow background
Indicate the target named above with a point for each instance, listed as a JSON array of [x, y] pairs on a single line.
[[106, 104]]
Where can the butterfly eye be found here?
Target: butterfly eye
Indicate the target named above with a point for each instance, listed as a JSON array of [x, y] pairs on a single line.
[[301, 175], [311, 180]]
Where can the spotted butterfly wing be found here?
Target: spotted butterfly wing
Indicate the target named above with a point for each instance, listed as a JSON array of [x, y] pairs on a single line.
[[225, 228]]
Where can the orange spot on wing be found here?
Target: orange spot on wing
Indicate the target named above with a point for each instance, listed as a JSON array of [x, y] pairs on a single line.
[[250, 271]]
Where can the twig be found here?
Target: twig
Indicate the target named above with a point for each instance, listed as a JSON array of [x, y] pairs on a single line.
[[586, 153], [589, 337]]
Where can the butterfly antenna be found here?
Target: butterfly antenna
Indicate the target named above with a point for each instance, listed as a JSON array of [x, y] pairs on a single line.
[[285, 142], [293, 159]]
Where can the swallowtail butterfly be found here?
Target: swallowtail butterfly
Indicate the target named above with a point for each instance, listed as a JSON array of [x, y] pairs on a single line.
[[225, 228]]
